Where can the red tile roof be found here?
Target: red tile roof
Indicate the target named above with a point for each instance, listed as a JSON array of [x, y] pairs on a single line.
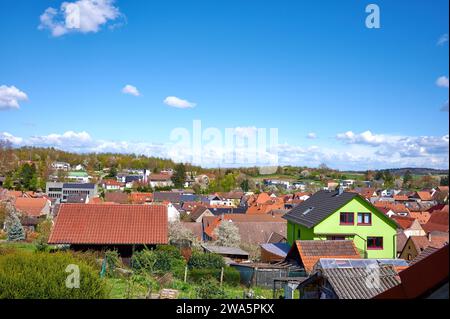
[[112, 182], [401, 197], [141, 198], [426, 196], [403, 222], [31, 206], [110, 224], [421, 277], [395, 207]]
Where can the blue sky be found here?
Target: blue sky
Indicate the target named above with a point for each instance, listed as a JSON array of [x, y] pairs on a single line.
[[371, 97]]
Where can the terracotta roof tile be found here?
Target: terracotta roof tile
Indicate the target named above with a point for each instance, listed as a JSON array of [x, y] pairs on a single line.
[[31, 206], [312, 250], [110, 224]]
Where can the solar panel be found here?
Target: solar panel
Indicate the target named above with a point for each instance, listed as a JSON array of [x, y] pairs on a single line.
[[328, 263]]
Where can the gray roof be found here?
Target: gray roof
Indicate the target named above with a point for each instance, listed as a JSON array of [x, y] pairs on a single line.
[[352, 283], [279, 249], [225, 250], [173, 197], [76, 198], [318, 207]]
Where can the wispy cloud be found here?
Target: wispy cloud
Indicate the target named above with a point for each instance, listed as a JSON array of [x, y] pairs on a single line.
[[82, 16], [442, 82], [443, 39], [311, 136], [178, 103], [130, 89], [444, 107], [10, 97]]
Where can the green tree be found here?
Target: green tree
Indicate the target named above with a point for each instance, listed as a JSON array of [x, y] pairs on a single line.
[[179, 177], [245, 185], [407, 178], [15, 229], [8, 184], [444, 181], [112, 172]]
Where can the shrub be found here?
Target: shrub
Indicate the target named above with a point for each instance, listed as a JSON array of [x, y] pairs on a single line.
[[43, 276], [200, 260], [230, 275], [209, 289], [161, 260]]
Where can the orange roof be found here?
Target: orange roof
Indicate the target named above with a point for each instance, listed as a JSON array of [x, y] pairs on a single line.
[[262, 198], [403, 222], [422, 242], [112, 182], [422, 217], [312, 250], [110, 224], [395, 207], [31, 206], [437, 221], [141, 198], [426, 196], [95, 200], [401, 197], [18, 194]]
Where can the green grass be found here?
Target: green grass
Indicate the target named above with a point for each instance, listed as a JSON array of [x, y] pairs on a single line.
[[23, 246], [119, 288]]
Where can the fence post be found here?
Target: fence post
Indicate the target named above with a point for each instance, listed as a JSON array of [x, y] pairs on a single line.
[[185, 273], [221, 277]]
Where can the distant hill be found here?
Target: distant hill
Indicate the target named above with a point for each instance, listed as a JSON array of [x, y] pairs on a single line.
[[413, 170]]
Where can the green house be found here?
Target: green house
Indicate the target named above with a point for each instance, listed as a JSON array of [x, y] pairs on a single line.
[[338, 215]]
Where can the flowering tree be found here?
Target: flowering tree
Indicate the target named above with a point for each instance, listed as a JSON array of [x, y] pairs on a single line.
[[227, 235]]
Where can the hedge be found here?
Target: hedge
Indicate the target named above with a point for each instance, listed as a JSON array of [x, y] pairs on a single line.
[[43, 276], [230, 275], [206, 261]]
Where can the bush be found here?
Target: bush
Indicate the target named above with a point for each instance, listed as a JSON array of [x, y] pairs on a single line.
[[230, 275], [43, 276], [161, 260], [209, 289], [200, 260]]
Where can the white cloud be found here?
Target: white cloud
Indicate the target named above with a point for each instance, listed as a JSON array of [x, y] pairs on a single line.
[[311, 136], [5, 136], [80, 16], [442, 82], [179, 103], [10, 97], [130, 89], [444, 107], [361, 151], [443, 39], [385, 146]]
